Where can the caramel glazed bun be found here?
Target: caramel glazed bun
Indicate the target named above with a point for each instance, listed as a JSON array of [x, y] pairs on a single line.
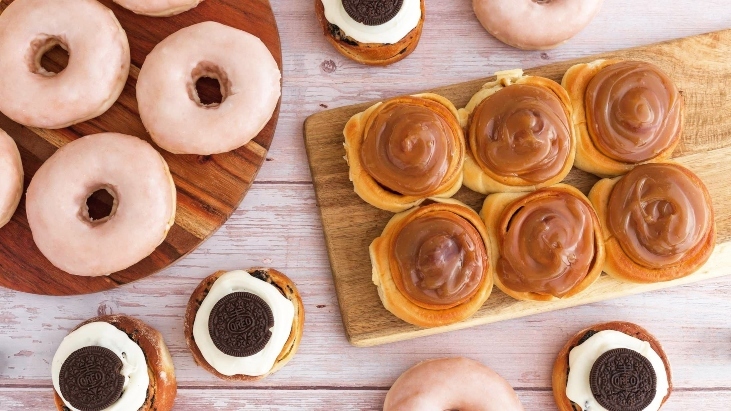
[[284, 286], [431, 264], [658, 222], [560, 375], [377, 45], [162, 387], [546, 245], [625, 113], [405, 150], [519, 134]]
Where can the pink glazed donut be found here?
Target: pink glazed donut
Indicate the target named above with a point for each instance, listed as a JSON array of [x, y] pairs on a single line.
[[97, 69], [133, 172], [158, 8], [535, 24], [168, 100], [451, 384], [11, 178]]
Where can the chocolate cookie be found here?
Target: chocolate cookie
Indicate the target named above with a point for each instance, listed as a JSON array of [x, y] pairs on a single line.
[[623, 380], [90, 378], [240, 324], [372, 12]]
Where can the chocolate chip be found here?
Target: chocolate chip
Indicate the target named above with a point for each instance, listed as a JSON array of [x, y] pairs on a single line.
[[239, 324], [585, 337], [90, 378], [372, 12], [623, 380]]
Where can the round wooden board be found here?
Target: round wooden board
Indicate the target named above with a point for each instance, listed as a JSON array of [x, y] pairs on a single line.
[[209, 188]]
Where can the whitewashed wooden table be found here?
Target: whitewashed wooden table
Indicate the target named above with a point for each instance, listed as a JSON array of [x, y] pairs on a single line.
[[278, 225]]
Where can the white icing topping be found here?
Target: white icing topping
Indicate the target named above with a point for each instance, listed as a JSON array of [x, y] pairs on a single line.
[[583, 357], [134, 365], [263, 361], [387, 33]]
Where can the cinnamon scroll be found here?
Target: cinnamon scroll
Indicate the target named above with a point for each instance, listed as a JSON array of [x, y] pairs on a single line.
[[431, 264], [405, 150], [625, 112], [546, 245], [658, 221], [519, 134]]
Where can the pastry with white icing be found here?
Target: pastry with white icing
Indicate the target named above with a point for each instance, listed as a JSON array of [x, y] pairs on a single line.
[[616, 366], [113, 363], [244, 325], [374, 32]]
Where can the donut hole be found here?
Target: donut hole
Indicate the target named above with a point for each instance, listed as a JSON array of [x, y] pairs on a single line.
[[210, 85], [209, 91], [100, 206], [49, 56]]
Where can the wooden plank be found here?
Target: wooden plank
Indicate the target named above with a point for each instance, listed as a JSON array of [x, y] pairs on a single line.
[[277, 226], [699, 65], [209, 188], [327, 400]]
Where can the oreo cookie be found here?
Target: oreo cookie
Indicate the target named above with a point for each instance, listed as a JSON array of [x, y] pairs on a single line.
[[372, 12], [239, 324], [91, 379], [623, 380]]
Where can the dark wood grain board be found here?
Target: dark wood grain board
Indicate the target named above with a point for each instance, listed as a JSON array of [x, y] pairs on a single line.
[[209, 188], [700, 66]]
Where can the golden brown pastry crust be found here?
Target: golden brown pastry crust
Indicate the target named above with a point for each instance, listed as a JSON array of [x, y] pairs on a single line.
[[588, 157], [271, 276], [619, 265], [373, 54], [497, 210], [163, 385], [370, 190], [486, 182], [397, 303], [560, 374]]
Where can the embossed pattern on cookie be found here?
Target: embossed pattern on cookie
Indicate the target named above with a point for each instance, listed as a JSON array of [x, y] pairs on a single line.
[[623, 380], [240, 324], [372, 12], [90, 378]]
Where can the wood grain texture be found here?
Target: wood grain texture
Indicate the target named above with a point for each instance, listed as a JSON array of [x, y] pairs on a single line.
[[699, 66], [278, 225], [209, 188], [329, 400]]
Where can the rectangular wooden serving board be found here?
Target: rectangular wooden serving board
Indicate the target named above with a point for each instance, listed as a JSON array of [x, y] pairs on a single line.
[[701, 68]]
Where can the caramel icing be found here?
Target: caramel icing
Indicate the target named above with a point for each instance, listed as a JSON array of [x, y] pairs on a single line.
[[548, 246], [633, 111], [408, 147], [440, 258], [658, 214], [521, 131]]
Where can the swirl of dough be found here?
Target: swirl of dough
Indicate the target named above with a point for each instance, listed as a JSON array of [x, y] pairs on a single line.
[[407, 147], [522, 131], [548, 247], [659, 214], [440, 259], [633, 111]]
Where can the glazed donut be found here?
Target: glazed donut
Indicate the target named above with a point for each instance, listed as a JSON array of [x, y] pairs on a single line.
[[451, 384], [11, 178], [535, 24], [97, 69], [158, 8], [143, 211], [168, 101]]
